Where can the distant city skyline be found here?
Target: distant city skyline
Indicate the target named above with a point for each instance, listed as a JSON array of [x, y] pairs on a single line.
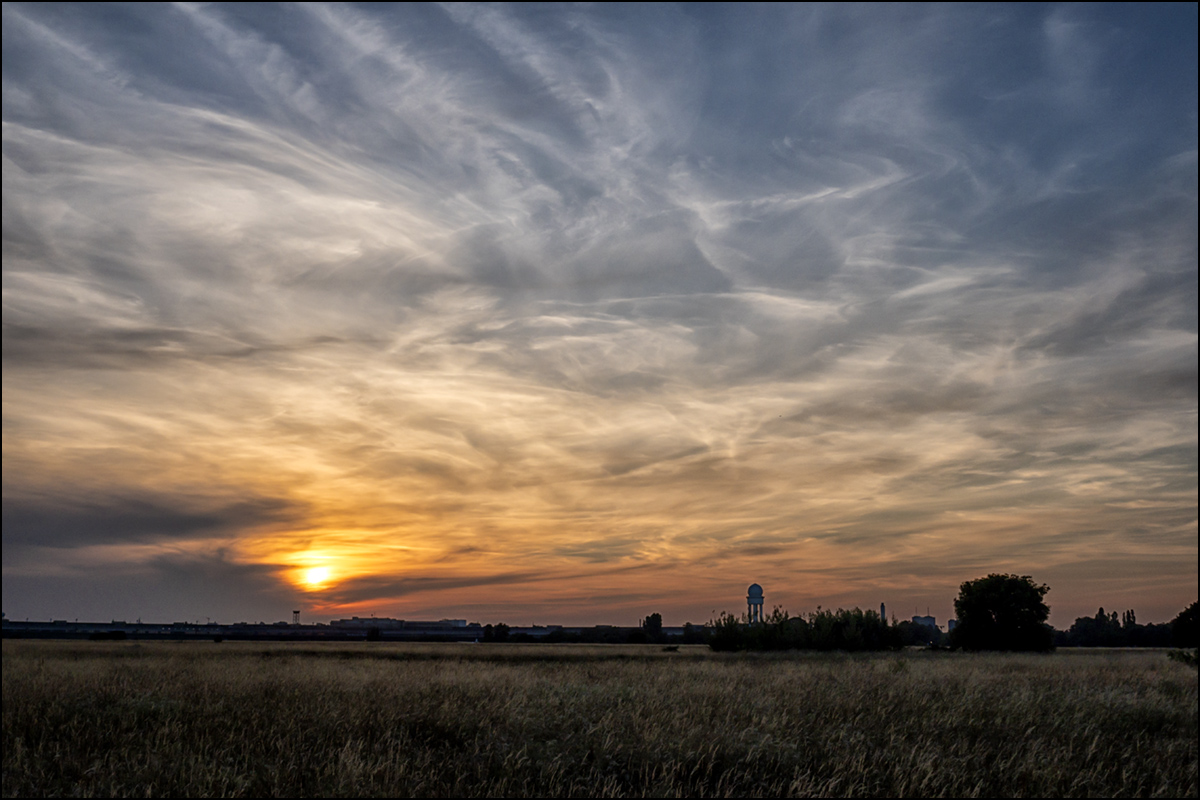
[[578, 313]]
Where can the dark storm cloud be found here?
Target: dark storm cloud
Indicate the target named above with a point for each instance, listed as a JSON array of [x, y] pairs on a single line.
[[176, 586], [362, 589], [69, 519], [600, 283], [86, 347]]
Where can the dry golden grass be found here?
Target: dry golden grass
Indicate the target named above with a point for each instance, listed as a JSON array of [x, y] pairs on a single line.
[[245, 719]]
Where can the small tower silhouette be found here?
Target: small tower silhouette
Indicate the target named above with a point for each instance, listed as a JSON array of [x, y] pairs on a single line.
[[754, 603], [296, 617]]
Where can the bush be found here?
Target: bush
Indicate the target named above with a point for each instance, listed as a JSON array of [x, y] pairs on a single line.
[[850, 630], [1184, 657]]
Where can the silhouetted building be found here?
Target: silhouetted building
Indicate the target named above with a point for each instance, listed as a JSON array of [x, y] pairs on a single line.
[[754, 603]]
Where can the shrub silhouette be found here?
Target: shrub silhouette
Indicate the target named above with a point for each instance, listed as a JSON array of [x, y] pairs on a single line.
[[850, 630]]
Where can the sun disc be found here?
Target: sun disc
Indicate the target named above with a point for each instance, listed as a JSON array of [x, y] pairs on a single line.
[[316, 576]]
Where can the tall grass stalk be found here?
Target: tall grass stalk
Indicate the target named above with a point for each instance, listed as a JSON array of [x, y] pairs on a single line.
[[348, 720]]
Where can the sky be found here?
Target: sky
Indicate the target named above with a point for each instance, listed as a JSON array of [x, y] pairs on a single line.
[[571, 314]]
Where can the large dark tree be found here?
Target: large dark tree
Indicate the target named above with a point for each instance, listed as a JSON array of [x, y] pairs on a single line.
[[1185, 628], [1002, 612]]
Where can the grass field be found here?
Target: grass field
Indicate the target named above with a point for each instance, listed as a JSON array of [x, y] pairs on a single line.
[[243, 719]]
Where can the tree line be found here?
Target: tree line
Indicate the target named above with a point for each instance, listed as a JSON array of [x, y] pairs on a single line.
[[1105, 630], [997, 612], [650, 631], [849, 630]]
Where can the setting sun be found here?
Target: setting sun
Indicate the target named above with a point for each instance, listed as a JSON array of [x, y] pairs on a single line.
[[316, 576]]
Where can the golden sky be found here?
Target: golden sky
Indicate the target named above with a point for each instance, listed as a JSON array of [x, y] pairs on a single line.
[[572, 315]]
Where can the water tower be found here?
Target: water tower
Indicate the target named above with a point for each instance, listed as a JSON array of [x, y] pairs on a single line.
[[754, 602]]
